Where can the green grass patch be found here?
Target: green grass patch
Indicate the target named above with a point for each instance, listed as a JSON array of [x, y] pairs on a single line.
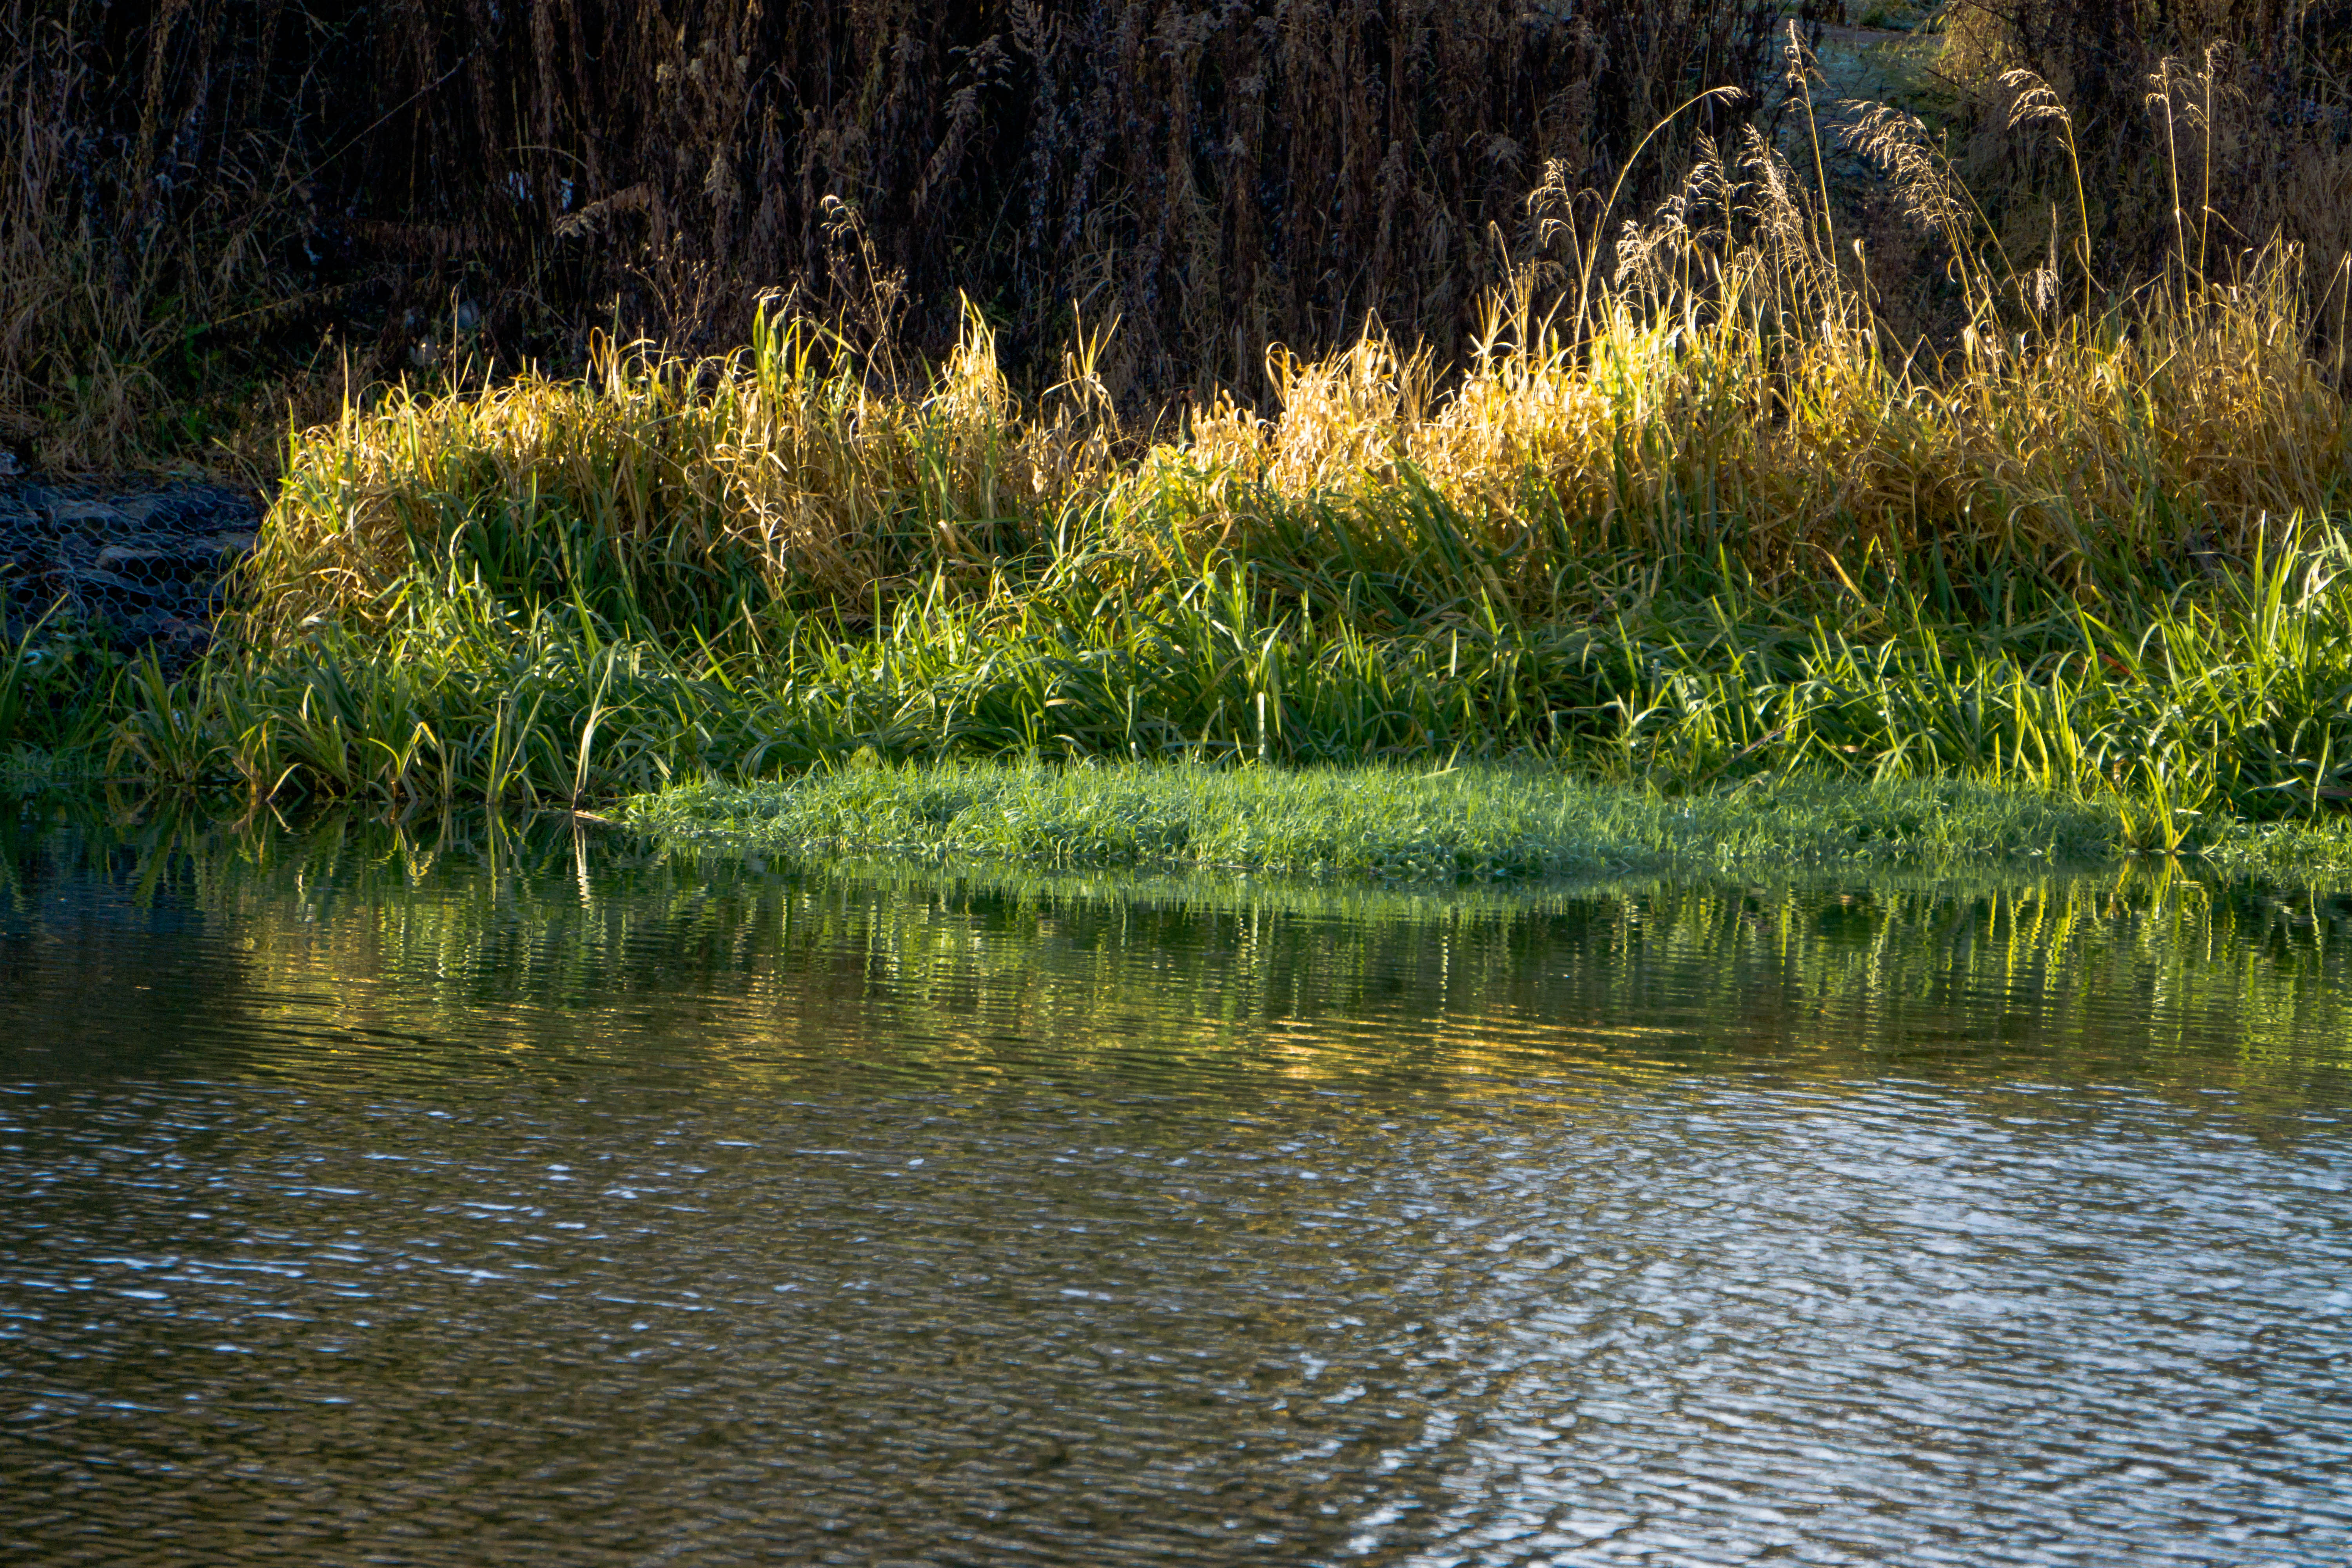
[[1481, 822]]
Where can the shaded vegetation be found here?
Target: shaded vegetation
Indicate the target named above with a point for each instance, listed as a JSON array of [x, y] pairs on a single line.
[[225, 214], [218, 201]]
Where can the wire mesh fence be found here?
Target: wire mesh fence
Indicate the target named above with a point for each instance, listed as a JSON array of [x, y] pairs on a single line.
[[139, 570]]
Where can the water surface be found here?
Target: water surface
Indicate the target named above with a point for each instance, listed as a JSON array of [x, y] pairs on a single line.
[[465, 1197]]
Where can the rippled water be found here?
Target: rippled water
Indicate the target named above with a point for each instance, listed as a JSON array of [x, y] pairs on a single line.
[[366, 1198]]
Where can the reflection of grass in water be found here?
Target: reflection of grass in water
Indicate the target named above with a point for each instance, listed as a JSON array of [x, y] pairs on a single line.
[[1398, 824], [609, 949], [2145, 974]]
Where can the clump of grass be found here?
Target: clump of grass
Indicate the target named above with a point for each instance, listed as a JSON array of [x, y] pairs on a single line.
[[1401, 824], [676, 494], [53, 685]]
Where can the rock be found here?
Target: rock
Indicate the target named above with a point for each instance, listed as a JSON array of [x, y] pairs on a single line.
[[132, 566]]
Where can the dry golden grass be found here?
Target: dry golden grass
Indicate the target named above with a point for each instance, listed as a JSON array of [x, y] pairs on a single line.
[[154, 200], [1736, 389], [1733, 396], [2195, 429], [780, 466], [74, 339]]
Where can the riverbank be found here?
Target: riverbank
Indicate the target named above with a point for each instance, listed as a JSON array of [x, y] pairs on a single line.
[[1672, 559], [1689, 525], [1476, 822]]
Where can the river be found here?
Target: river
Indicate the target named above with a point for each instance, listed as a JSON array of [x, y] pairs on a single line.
[[455, 1196]]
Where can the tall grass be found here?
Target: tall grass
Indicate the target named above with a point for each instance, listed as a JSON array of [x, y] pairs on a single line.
[[1701, 519], [1727, 401], [167, 211], [680, 494]]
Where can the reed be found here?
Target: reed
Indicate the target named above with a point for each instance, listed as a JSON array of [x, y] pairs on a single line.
[[2163, 132], [1731, 529]]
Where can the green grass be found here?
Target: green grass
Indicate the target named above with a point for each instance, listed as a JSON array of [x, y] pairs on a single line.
[[2230, 698], [1393, 822]]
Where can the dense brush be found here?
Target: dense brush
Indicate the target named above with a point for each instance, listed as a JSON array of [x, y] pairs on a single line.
[[1688, 512]]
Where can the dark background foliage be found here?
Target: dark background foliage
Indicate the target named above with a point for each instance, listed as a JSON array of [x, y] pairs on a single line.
[[499, 176], [2279, 128], [218, 214]]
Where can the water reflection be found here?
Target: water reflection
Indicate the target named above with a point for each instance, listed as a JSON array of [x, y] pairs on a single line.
[[477, 1197]]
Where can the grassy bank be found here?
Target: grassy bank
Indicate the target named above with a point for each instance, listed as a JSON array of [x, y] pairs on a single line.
[[1475, 822], [575, 591], [2228, 698], [1697, 521]]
